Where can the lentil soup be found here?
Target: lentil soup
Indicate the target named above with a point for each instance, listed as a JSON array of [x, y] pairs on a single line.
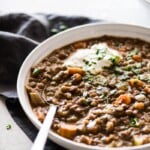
[[101, 87]]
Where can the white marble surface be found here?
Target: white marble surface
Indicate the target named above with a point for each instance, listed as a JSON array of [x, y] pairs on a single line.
[[125, 11]]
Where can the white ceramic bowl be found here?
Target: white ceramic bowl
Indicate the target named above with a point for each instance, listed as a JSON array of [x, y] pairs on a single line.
[[75, 34]]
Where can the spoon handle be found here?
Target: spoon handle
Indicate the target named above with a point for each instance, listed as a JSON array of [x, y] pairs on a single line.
[[42, 135]]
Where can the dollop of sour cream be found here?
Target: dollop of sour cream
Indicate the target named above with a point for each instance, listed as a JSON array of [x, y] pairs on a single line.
[[94, 59]]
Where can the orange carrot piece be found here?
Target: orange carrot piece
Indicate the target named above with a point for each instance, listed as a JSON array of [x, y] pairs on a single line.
[[136, 82], [124, 98], [73, 70], [139, 105], [137, 57]]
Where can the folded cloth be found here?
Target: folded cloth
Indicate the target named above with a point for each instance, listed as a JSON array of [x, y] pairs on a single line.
[[19, 34]]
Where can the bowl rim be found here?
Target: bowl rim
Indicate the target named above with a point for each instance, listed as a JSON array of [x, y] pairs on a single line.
[[34, 120]]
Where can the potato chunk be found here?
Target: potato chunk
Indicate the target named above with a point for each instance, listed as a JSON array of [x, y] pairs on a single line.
[[138, 140], [67, 130], [36, 99]]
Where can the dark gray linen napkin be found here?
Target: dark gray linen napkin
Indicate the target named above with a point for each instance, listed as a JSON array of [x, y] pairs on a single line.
[[19, 34]]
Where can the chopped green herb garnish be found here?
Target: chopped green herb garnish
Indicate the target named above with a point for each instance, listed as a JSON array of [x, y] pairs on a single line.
[[133, 52], [104, 96], [135, 71], [105, 67], [138, 65], [99, 58], [133, 68], [36, 72], [144, 77], [54, 30], [134, 122], [93, 62], [62, 27], [114, 59], [86, 101], [117, 70], [106, 99], [124, 77], [8, 127], [86, 62], [128, 68], [97, 51]]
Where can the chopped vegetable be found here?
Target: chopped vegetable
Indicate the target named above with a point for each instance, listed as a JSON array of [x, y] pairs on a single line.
[[138, 140], [114, 59], [8, 127], [139, 105], [133, 122], [140, 97], [137, 57], [138, 65], [86, 61], [40, 115], [91, 126], [86, 102], [136, 82], [73, 70], [145, 77], [67, 130], [36, 72], [117, 70], [133, 52], [147, 89], [36, 99], [124, 98], [62, 27], [122, 85], [104, 96], [128, 68], [135, 71]]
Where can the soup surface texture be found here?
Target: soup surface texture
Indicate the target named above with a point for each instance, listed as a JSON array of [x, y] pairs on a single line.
[[101, 87]]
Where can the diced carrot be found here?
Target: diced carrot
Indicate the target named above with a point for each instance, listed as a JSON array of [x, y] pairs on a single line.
[[136, 82], [40, 115], [73, 70], [137, 57], [139, 105], [67, 130], [124, 98], [147, 89]]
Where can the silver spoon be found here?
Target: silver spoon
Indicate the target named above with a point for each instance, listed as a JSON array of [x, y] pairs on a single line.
[[41, 138]]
